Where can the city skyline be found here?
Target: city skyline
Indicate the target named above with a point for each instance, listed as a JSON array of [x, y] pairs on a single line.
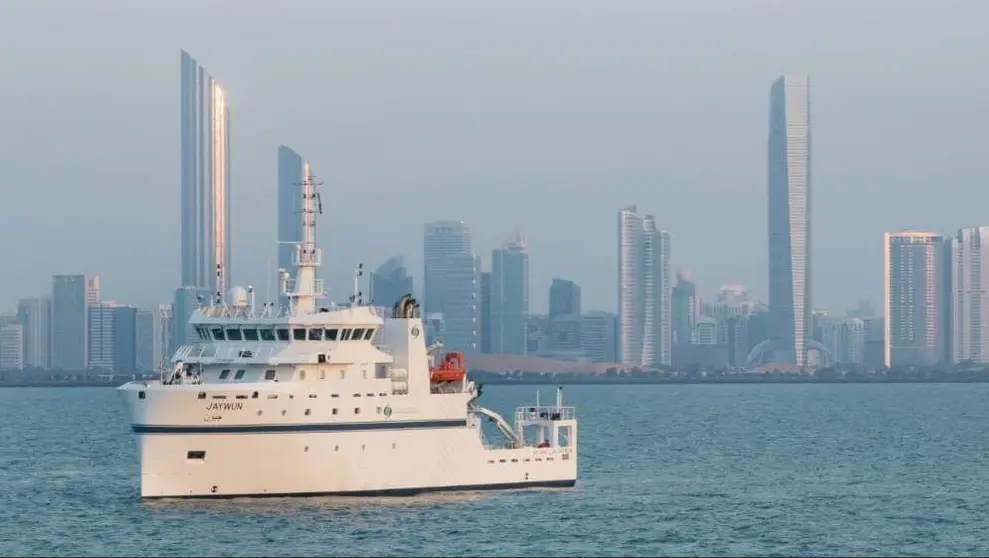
[[489, 310], [680, 134]]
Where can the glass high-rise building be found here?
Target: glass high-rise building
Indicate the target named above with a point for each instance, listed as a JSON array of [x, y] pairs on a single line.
[[564, 298], [789, 219], [72, 296], [645, 332], [390, 282], [510, 298], [917, 288], [451, 283], [205, 210], [970, 295]]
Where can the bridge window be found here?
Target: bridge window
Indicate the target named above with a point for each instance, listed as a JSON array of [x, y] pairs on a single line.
[[240, 374], [331, 335], [250, 334], [218, 334], [316, 334], [225, 374], [269, 374], [283, 334], [233, 334], [358, 334], [299, 334], [345, 335], [196, 454], [267, 334], [368, 334]]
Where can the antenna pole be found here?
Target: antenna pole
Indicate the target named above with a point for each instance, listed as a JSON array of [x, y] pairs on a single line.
[[307, 257], [267, 284]]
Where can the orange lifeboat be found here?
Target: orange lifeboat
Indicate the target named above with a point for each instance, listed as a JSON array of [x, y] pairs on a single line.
[[451, 370]]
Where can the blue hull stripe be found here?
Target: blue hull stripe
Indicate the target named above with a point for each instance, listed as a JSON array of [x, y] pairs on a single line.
[[281, 428], [388, 492]]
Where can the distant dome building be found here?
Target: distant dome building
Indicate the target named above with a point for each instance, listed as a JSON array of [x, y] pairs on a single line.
[[769, 352]]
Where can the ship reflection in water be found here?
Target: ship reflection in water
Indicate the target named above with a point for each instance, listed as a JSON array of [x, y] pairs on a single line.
[[294, 505]]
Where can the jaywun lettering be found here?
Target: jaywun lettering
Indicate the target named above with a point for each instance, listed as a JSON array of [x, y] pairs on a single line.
[[225, 406]]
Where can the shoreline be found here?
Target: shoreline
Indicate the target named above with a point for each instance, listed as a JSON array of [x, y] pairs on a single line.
[[490, 381], [548, 382]]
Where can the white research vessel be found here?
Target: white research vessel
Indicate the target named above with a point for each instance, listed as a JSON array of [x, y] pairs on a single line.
[[301, 401]]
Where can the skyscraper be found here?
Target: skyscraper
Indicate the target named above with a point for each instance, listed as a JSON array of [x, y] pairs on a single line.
[[292, 170], [509, 297], [11, 346], [970, 290], [563, 329], [389, 282], [644, 317], [451, 283], [564, 298], [144, 339], [35, 315], [599, 336], [205, 119], [917, 285], [685, 311], [789, 218], [72, 295]]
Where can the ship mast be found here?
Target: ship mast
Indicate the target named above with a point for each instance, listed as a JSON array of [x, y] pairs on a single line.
[[305, 289]]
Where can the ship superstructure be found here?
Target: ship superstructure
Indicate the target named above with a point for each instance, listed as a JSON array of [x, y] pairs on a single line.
[[335, 399]]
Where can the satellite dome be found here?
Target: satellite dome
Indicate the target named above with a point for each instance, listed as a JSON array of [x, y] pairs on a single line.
[[237, 296]]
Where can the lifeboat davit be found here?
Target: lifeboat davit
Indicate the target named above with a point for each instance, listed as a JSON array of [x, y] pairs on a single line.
[[451, 370]]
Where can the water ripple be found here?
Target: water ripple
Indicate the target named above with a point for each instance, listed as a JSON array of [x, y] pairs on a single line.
[[772, 470]]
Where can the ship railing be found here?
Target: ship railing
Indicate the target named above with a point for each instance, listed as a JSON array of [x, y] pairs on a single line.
[[542, 413], [380, 311]]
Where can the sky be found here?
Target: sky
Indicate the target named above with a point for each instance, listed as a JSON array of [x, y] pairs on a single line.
[[542, 116]]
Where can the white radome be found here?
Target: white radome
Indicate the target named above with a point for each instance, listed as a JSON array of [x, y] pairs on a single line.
[[237, 296]]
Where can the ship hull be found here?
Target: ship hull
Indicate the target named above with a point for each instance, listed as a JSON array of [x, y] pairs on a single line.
[[396, 461]]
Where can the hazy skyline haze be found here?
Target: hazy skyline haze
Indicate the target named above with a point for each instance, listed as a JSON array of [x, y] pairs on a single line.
[[543, 117]]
